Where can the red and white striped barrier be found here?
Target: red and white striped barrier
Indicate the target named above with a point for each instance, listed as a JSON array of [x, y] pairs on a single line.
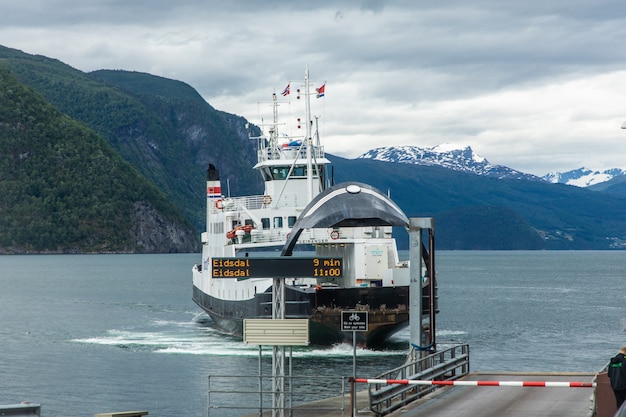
[[559, 384]]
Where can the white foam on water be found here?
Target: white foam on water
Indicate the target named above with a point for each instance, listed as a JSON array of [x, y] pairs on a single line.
[[197, 337], [343, 350], [404, 335]]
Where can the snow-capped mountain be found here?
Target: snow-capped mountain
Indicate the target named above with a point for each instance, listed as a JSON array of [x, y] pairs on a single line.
[[583, 177], [455, 157]]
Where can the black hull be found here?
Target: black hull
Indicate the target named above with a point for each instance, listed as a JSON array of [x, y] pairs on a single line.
[[387, 311]]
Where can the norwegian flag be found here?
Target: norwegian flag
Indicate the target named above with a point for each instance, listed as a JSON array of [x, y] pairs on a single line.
[[320, 91]]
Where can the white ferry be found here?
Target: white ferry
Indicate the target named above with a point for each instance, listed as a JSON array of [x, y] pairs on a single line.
[[294, 171]]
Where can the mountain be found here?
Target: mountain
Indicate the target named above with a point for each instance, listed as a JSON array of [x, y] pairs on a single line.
[[464, 159], [65, 190], [477, 212], [616, 185], [162, 127], [454, 157], [583, 177], [157, 137]]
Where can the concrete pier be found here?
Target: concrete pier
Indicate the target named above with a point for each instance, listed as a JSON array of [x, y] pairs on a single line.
[[480, 401], [508, 401]]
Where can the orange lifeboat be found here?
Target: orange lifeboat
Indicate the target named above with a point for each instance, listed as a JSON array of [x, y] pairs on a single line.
[[233, 233]]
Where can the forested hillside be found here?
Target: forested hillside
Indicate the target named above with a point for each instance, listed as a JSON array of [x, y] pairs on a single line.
[[64, 189], [163, 127]]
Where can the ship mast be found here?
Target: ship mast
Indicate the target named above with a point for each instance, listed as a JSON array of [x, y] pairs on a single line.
[[308, 138]]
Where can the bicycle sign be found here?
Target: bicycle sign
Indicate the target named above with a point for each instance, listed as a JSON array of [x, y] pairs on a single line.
[[354, 321]]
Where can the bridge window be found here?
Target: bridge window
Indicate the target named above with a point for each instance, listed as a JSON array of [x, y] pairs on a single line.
[[278, 222], [280, 173], [265, 221]]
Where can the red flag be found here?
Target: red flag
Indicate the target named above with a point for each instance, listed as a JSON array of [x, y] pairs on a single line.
[[320, 91]]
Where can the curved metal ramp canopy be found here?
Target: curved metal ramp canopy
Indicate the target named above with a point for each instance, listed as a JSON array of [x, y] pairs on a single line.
[[349, 204]]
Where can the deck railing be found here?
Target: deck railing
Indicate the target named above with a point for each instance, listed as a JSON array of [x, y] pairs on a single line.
[[448, 364], [252, 395], [289, 152], [225, 392]]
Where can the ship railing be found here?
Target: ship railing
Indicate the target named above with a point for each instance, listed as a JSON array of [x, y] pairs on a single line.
[[289, 152], [312, 236], [279, 236], [254, 202], [252, 395], [450, 363], [257, 202]]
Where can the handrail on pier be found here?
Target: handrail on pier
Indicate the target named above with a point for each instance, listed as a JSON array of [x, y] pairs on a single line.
[[445, 365]]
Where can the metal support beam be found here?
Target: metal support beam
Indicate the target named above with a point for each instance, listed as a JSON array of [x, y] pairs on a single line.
[[278, 352], [418, 337], [432, 287]]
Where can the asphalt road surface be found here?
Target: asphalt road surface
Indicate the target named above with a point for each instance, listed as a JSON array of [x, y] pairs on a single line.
[[486, 401]]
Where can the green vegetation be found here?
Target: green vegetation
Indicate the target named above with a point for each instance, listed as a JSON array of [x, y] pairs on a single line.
[[162, 127], [64, 189]]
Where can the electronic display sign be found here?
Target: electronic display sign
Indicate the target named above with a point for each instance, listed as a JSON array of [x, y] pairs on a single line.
[[277, 267]]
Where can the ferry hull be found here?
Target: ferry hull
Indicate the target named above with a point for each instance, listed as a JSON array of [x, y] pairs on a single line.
[[322, 307]]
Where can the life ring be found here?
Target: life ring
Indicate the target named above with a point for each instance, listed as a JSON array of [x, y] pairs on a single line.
[[266, 199], [334, 235], [233, 233], [219, 204]]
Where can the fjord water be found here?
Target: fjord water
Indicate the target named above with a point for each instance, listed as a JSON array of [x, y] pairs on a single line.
[[85, 334]]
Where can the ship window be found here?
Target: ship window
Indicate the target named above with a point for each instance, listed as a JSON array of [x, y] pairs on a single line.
[[265, 221], [278, 222], [280, 173], [299, 171], [291, 220]]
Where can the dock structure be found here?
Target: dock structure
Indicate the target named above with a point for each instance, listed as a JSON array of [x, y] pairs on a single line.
[[508, 401], [437, 382], [552, 400]]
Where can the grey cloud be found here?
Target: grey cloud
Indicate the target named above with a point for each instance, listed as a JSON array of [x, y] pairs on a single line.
[[407, 55]]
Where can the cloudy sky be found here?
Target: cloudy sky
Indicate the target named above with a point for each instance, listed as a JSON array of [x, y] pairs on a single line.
[[538, 86]]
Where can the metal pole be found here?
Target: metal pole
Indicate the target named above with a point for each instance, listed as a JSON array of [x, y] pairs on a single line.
[[354, 369], [433, 286], [260, 381], [290, 381], [352, 397], [308, 139], [354, 354], [343, 394]]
